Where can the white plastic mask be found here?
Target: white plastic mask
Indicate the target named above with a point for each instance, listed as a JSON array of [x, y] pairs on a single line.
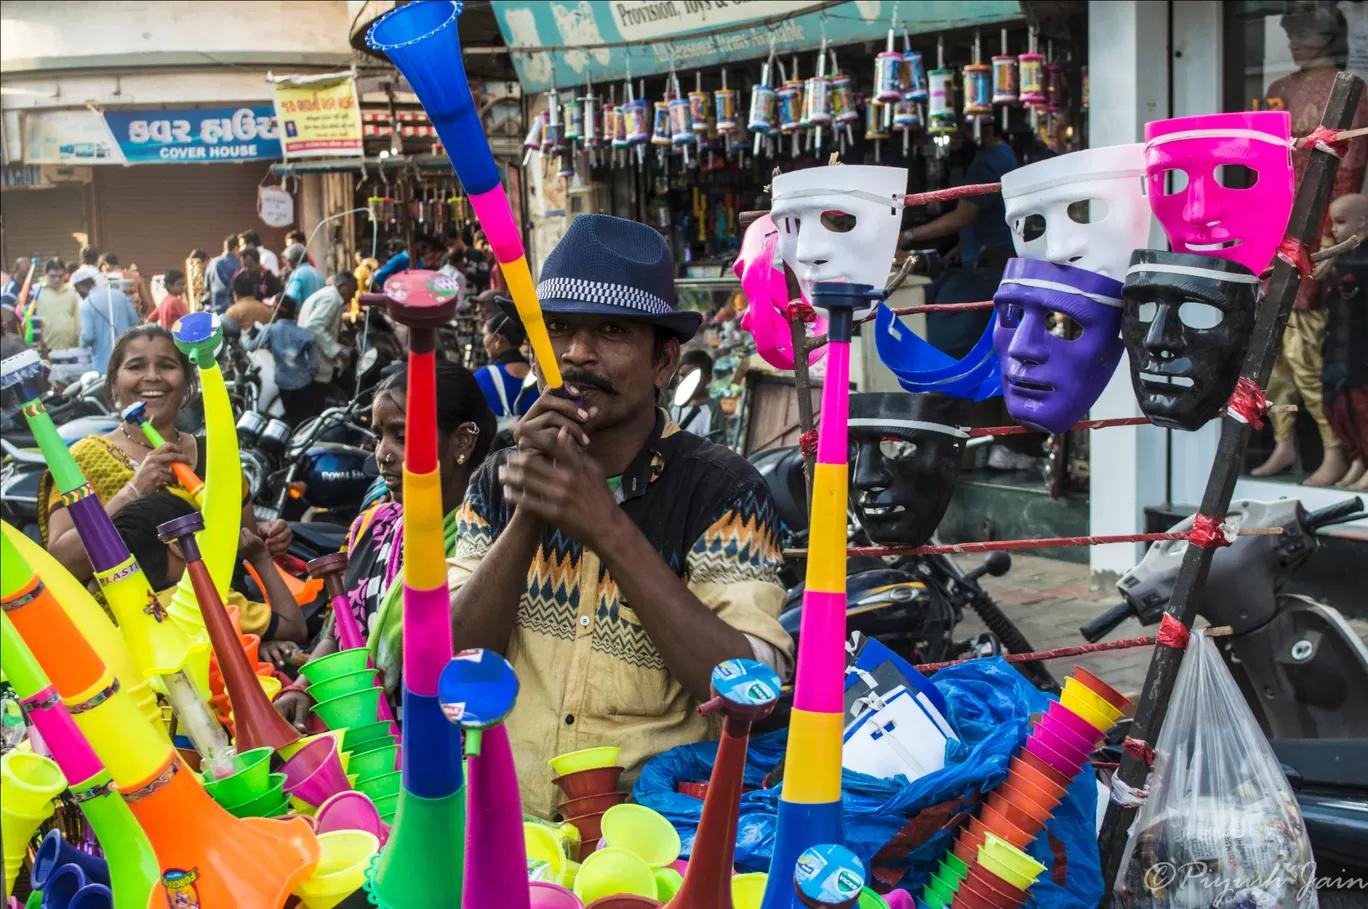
[[1086, 209], [839, 223]]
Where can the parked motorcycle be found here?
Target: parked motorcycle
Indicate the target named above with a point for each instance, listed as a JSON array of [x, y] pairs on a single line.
[[1301, 667]]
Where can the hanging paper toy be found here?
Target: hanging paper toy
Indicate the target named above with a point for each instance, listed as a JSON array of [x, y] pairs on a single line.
[[761, 271], [1222, 184], [905, 452], [1086, 209], [1186, 323], [1058, 335], [839, 223]]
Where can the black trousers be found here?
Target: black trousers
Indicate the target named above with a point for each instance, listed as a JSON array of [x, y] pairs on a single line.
[[302, 403]]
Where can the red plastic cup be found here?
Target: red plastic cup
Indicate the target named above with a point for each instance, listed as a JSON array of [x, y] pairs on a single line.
[[970, 896], [997, 822], [1026, 818], [623, 901], [600, 781], [589, 827], [988, 883], [591, 804], [1101, 688], [967, 845]]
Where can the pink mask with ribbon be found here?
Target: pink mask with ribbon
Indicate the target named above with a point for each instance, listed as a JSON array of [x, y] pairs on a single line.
[[1234, 179], [761, 271]]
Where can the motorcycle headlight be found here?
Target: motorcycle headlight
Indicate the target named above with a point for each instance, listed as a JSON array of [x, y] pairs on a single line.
[[254, 471]]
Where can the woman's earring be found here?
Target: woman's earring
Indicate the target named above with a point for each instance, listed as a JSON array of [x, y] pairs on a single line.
[[460, 459]]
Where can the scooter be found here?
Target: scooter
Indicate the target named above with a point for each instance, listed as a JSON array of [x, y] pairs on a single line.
[[1303, 670]]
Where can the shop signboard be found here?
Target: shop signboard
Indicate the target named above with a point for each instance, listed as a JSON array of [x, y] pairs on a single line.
[[654, 36], [202, 135], [319, 115]]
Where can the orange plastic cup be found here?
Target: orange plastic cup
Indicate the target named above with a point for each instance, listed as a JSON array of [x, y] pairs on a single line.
[[967, 845], [996, 822], [990, 885], [1028, 818], [975, 896], [1036, 791], [1101, 688], [1040, 773], [250, 644]]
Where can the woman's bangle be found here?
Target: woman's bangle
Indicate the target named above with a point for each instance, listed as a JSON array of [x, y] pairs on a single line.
[[129, 487]]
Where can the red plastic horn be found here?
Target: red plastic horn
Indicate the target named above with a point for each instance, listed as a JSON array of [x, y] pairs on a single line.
[[257, 723]]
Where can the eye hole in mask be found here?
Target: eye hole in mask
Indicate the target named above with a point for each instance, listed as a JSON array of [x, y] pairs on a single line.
[[1175, 181], [897, 449], [791, 225], [838, 222], [1009, 315], [1236, 176], [1063, 326], [1032, 227], [1192, 313], [1088, 211]]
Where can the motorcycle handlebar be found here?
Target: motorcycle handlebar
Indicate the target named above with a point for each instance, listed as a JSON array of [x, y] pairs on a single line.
[[1333, 514], [1102, 626]]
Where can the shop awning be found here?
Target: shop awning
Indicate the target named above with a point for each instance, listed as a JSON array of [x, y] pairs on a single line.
[[555, 45]]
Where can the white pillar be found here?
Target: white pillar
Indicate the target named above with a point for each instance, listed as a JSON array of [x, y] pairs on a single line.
[[1128, 52]]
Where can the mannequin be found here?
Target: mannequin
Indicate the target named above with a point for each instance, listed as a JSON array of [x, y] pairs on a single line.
[[1186, 325], [1058, 337], [1201, 214], [905, 459], [839, 223], [1086, 209]]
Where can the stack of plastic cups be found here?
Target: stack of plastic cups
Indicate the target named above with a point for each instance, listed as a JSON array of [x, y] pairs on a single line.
[[28, 784], [1000, 878], [251, 644], [589, 780], [1056, 752]]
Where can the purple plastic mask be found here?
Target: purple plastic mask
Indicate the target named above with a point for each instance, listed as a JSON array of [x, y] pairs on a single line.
[[761, 271], [1058, 334], [1208, 158]]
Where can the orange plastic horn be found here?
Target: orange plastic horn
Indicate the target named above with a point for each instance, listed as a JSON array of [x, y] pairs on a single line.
[[257, 722]]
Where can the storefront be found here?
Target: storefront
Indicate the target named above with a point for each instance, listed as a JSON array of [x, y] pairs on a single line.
[[1162, 60]]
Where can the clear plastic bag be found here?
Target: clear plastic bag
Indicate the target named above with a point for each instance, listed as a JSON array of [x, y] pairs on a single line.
[[1220, 828]]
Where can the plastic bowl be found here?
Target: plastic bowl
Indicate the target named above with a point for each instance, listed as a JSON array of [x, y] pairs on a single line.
[[379, 760], [641, 830], [1040, 773], [589, 782], [542, 844], [1076, 693], [592, 804], [382, 784], [262, 806], [343, 857], [357, 708], [624, 901], [748, 889], [335, 664], [1101, 688], [996, 822], [361, 738], [585, 759], [552, 896], [342, 684], [610, 872], [1063, 716], [247, 779]]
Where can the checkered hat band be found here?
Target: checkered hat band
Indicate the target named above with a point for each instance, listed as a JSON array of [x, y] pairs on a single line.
[[583, 291]]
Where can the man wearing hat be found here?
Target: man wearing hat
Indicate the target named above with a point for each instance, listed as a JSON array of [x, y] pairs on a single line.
[[105, 313], [614, 559]]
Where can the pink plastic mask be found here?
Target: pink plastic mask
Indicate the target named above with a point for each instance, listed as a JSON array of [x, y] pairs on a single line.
[[1204, 156], [761, 271]]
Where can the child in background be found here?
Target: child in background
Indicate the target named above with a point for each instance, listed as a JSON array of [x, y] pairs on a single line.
[[172, 306], [1345, 374], [278, 621]]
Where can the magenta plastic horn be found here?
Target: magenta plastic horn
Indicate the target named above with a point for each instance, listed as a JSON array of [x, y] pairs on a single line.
[[314, 773]]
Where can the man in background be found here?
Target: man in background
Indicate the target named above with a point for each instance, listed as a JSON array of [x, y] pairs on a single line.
[[105, 314], [701, 415], [321, 316], [304, 278], [250, 239], [267, 284], [218, 275], [91, 256], [247, 309], [429, 256], [58, 309]]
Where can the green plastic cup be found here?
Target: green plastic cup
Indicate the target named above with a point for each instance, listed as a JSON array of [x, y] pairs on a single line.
[[269, 800], [354, 709], [870, 900], [387, 806], [382, 784], [362, 738], [342, 684], [934, 899], [935, 887], [373, 762], [668, 882], [957, 866], [246, 781], [334, 664], [947, 882]]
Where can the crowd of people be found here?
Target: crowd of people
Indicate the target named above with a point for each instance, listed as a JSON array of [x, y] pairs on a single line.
[[667, 542]]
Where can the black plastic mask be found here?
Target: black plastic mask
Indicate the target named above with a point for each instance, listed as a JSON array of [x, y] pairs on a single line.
[[1187, 322], [905, 457]]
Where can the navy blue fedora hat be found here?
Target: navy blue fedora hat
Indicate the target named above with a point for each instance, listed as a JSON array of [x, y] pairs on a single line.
[[613, 267]]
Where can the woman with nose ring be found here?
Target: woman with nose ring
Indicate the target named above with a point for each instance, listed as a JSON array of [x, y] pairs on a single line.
[[374, 578], [122, 466]]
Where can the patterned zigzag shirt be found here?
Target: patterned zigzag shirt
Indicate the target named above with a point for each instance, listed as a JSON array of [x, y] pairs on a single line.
[[590, 674]]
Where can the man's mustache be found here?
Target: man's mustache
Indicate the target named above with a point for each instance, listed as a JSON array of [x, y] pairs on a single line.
[[584, 378]]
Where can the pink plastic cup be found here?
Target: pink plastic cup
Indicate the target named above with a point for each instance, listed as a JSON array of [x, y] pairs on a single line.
[[314, 772], [552, 896], [1062, 741], [349, 810], [1036, 745], [1080, 727], [1081, 741]]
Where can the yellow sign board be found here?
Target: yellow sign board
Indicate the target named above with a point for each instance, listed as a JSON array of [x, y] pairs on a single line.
[[319, 118]]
